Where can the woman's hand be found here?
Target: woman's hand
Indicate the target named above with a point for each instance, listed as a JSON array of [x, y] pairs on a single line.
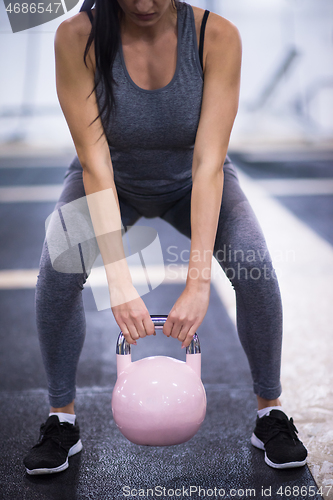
[[188, 313], [130, 313]]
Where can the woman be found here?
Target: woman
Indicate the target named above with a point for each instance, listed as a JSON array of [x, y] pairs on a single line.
[[151, 139]]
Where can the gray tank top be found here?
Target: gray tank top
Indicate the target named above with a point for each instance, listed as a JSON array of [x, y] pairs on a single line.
[[152, 135]]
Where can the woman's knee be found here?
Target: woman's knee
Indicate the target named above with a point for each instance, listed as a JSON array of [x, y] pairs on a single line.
[[250, 272], [247, 267], [51, 280]]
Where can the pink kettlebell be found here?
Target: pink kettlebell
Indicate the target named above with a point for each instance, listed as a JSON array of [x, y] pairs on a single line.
[[158, 401]]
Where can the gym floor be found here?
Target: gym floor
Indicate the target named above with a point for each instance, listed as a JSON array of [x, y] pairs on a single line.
[[220, 455]]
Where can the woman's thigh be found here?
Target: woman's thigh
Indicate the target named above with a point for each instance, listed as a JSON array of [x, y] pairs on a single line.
[[70, 240], [73, 189], [179, 215], [239, 237]]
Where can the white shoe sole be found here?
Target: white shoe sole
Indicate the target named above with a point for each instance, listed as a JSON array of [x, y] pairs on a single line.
[[288, 465], [72, 451]]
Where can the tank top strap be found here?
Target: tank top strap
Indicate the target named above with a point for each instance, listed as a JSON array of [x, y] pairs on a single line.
[[187, 38], [202, 36]]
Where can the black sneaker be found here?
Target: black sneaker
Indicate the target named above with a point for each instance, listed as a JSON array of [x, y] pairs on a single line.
[[57, 442], [277, 436]]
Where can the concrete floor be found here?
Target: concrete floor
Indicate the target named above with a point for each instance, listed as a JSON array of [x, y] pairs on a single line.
[[220, 455]]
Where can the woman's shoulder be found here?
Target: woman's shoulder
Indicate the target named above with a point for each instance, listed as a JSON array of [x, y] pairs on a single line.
[[218, 28], [222, 40], [75, 29], [72, 34]]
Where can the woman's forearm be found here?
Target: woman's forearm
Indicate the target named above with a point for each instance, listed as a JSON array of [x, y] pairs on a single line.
[[205, 209], [105, 214]]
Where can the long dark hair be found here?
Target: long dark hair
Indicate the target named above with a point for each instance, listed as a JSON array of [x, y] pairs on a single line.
[[105, 33]]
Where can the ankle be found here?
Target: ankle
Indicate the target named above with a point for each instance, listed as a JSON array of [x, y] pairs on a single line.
[[64, 409], [265, 403]]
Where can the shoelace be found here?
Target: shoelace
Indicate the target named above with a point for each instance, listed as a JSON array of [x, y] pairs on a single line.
[[278, 425], [50, 431]]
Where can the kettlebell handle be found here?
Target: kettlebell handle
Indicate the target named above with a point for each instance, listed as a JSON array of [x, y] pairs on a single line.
[[124, 348]]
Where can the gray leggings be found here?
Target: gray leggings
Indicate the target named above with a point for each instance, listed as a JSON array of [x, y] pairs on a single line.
[[240, 249]]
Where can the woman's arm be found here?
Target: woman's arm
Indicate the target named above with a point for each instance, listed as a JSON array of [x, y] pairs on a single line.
[[74, 83], [218, 112]]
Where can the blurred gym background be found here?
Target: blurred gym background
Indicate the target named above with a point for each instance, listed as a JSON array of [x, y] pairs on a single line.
[[287, 76], [282, 145]]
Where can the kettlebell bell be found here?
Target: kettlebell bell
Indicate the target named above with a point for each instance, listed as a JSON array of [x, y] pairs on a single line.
[[158, 400]]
